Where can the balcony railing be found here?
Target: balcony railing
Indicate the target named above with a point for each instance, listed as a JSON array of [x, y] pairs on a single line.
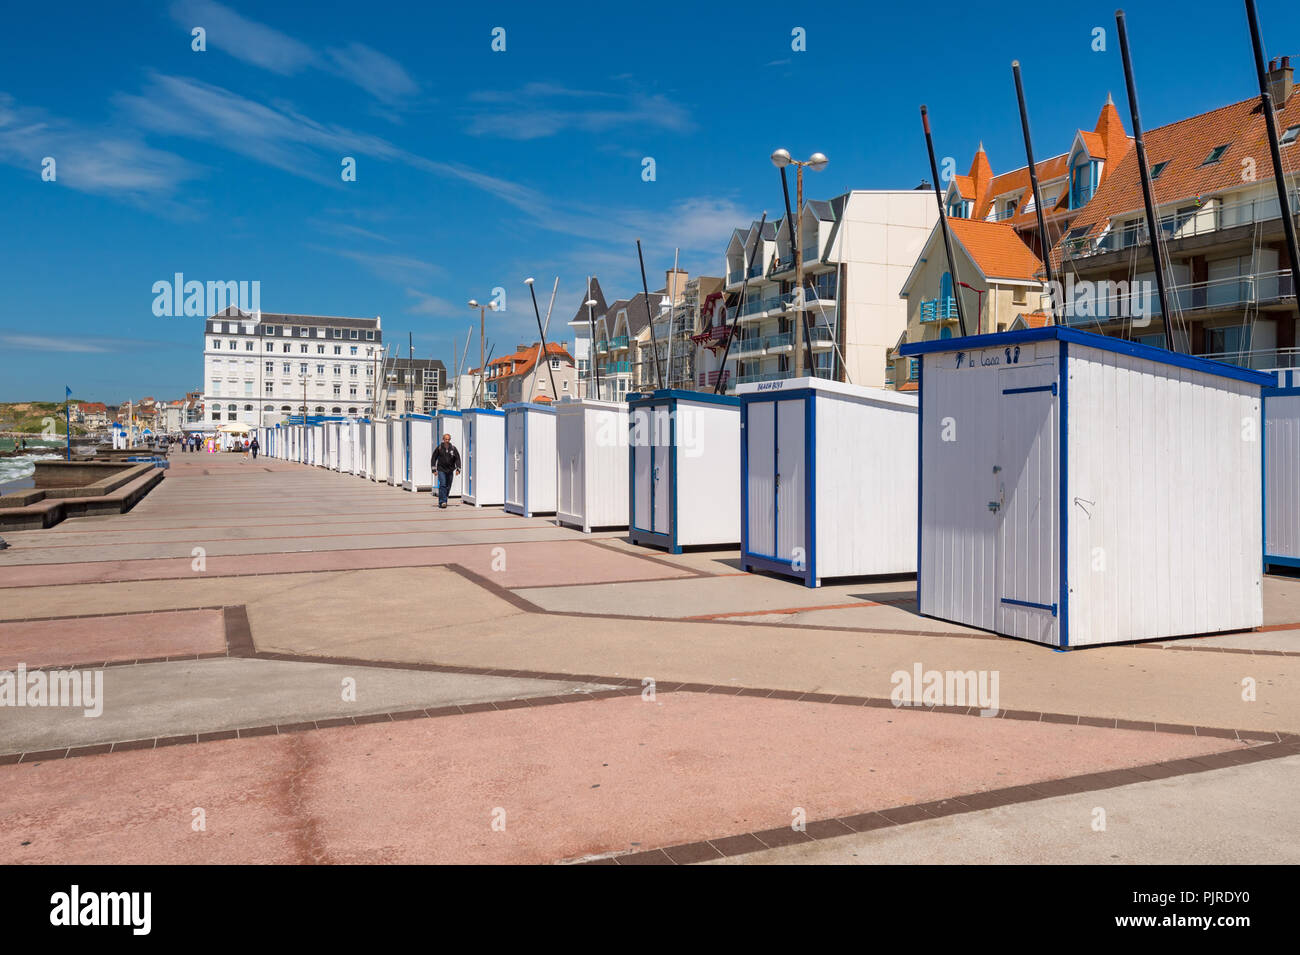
[[711, 378], [1143, 301], [616, 368], [1263, 359], [1211, 217], [818, 372], [617, 342], [735, 276], [939, 309]]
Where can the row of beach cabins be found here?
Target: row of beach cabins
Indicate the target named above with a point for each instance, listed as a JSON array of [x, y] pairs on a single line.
[[1049, 484]]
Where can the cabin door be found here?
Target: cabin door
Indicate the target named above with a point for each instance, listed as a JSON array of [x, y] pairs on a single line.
[[774, 435], [1024, 497], [515, 459], [642, 468], [471, 426]]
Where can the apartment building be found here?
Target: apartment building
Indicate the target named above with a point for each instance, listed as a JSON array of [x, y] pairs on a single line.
[[410, 386], [524, 375], [858, 249], [622, 336], [1227, 272], [258, 368]]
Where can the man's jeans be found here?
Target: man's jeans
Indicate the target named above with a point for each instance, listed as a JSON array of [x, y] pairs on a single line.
[[444, 485]]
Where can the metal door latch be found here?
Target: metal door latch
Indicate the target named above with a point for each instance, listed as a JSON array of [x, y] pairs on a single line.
[[994, 506]]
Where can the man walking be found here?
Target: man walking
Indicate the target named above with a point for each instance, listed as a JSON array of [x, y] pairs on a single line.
[[445, 460], [254, 446]]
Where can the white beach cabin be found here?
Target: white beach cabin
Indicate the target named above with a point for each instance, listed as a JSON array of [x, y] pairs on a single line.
[[684, 469], [530, 458], [1281, 467], [828, 479], [1073, 488], [396, 451], [419, 448], [379, 468], [484, 456], [591, 463], [450, 422]]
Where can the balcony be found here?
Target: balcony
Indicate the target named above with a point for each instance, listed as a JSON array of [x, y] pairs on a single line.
[[1214, 216], [939, 309], [711, 378], [1264, 359], [618, 342], [616, 368], [735, 274], [1233, 292]]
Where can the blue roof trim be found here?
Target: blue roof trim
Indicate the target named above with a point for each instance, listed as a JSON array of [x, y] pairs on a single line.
[[449, 414], [416, 417], [530, 405], [705, 397], [487, 411], [1088, 340]]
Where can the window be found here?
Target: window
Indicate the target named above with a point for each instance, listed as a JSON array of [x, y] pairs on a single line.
[[1157, 169], [320, 369], [352, 350], [1289, 136], [320, 349], [270, 346], [370, 336], [302, 368], [352, 393], [354, 334], [248, 346], [1083, 180], [286, 348], [338, 333], [352, 370], [216, 416], [1215, 155], [270, 388], [216, 343], [270, 368], [1019, 295], [338, 349], [338, 369], [302, 333], [287, 368], [555, 363]]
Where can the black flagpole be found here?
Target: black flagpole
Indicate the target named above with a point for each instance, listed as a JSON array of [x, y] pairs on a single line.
[[943, 220]]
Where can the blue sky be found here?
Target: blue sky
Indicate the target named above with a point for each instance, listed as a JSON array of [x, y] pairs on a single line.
[[478, 168]]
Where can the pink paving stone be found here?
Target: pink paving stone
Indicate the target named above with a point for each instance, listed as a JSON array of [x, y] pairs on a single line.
[[575, 779], [119, 637], [535, 564]]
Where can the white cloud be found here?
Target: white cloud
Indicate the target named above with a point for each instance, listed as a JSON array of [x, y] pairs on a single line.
[[379, 75], [88, 159], [532, 112], [244, 39]]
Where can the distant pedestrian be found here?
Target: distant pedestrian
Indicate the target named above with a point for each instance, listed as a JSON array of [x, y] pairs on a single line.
[[444, 461], [254, 447]]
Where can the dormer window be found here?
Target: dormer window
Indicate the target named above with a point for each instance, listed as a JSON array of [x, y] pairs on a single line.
[[1215, 155], [1157, 169], [959, 208], [1083, 181], [1290, 136]]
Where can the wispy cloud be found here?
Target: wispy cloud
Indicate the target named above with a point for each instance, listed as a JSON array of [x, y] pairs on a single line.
[[267, 48], [434, 306], [538, 110], [244, 39], [379, 75], [79, 344], [390, 267], [88, 159]]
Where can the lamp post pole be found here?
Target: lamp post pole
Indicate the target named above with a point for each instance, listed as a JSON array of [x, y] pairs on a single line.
[[817, 161]]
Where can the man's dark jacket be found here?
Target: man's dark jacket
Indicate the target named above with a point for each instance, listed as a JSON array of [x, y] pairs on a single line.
[[445, 458]]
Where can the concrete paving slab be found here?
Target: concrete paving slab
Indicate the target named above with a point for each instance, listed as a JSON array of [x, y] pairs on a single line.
[[1221, 817], [67, 642], [205, 696], [569, 781]]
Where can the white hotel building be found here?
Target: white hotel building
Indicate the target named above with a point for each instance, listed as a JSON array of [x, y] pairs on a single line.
[[258, 368]]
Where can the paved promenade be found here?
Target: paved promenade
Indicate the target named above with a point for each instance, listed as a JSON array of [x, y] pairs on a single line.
[[305, 666]]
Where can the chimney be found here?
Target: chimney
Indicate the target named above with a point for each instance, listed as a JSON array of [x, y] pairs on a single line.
[[925, 185], [1280, 81], [675, 284]]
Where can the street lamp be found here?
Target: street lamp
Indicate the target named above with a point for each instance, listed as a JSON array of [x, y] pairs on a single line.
[[591, 325], [482, 332], [817, 162]]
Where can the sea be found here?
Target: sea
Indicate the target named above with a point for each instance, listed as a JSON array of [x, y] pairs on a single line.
[[16, 473]]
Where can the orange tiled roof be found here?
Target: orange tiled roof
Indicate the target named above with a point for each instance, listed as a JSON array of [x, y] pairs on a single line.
[[996, 248], [1037, 319], [526, 360], [1184, 145]]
